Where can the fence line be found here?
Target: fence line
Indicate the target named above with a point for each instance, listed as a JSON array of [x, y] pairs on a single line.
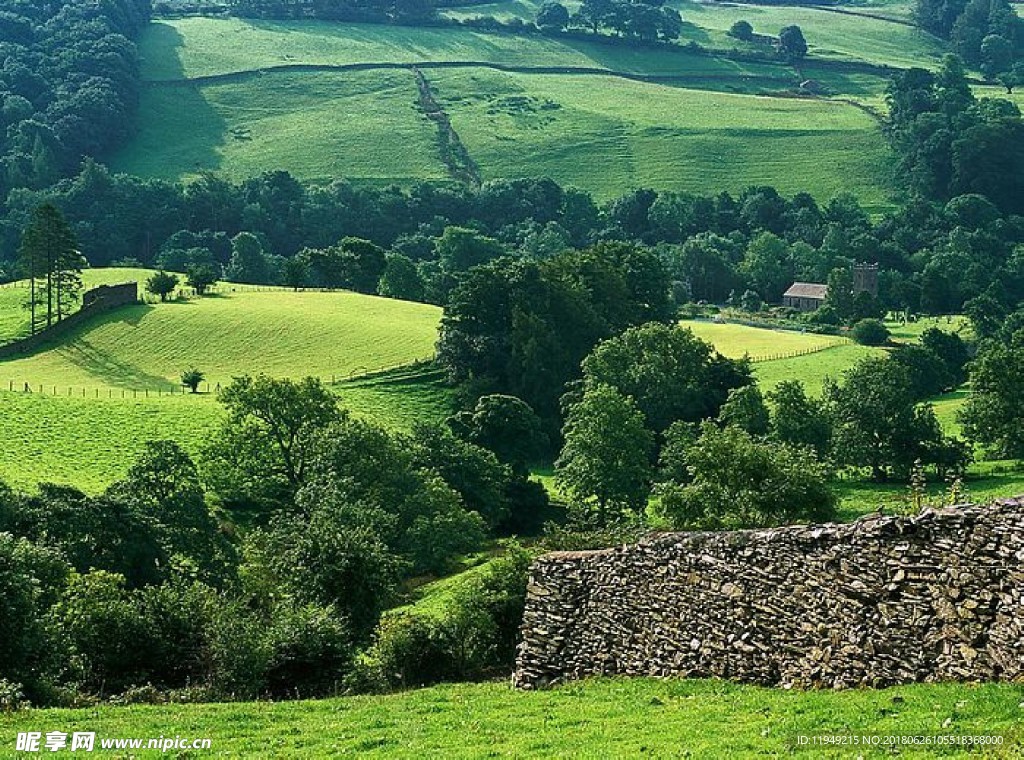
[[109, 392], [795, 354]]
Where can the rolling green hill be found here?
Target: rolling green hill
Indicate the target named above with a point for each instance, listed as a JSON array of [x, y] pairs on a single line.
[[601, 718], [325, 100], [280, 333]]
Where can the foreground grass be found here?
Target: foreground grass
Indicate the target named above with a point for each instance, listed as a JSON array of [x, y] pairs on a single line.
[[597, 718]]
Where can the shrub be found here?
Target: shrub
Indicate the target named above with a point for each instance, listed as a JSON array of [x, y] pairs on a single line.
[[870, 332], [473, 637], [312, 652], [742, 30], [741, 482]]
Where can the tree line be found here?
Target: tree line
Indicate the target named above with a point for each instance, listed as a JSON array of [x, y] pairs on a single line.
[[986, 34]]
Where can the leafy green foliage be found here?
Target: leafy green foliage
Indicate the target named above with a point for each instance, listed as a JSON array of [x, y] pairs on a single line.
[[162, 284], [993, 412], [668, 372], [191, 378], [265, 447], [877, 422], [606, 457], [870, 332]]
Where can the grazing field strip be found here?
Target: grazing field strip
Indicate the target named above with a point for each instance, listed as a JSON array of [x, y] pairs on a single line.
[[195, 47], [609, 135]]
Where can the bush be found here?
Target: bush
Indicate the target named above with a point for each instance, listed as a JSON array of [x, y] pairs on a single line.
[[870, 332], [473, 637], [312, 652], [12, 696], [741, 482], [742, 30]]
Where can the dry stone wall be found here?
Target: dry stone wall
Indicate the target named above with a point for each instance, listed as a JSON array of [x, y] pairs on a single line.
[[97, 300], [880, 601]]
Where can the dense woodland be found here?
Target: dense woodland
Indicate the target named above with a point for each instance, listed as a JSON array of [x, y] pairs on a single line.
[[266, 565], [69, 85]]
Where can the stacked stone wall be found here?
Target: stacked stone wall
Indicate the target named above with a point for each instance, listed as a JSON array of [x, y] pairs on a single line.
[[881, 601]]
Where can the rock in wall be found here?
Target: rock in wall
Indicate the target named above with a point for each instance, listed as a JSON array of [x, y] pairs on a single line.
[[881, 601]]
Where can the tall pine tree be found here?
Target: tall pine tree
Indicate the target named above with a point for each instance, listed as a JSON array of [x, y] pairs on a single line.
[[50, 260]]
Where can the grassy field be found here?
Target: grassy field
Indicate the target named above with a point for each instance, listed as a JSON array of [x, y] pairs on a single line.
[[14, 317], [828, 34], [200, 47], [601, 717], [90, 441], [634, 133], [110, 384], [735, 341]]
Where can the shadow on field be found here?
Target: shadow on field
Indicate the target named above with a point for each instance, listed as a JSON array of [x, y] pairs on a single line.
[[179, 130]]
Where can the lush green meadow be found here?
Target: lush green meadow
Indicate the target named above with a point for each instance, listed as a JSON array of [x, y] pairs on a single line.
[[202, 47], [14, 317], [91, 440], [736, 341], [318, 126], [599, 718], [113, 383], [829, 34]]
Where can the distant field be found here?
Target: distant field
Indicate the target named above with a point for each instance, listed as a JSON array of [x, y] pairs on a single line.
[[639, 717], [828, 34], [609, 135], [281, 333], [318, 126], [197, 47], [601, 133], [736, 341]]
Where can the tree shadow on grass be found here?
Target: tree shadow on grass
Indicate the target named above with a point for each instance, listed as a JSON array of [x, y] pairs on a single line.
[[76, 347]]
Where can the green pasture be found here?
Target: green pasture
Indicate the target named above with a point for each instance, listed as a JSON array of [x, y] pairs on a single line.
[[985, 481], [609, 135], [606, 717], [280, 333], [736, 341], [14, 317], [318, 126]]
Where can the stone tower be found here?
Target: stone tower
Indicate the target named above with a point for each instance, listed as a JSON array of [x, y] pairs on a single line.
[[865, 277]]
